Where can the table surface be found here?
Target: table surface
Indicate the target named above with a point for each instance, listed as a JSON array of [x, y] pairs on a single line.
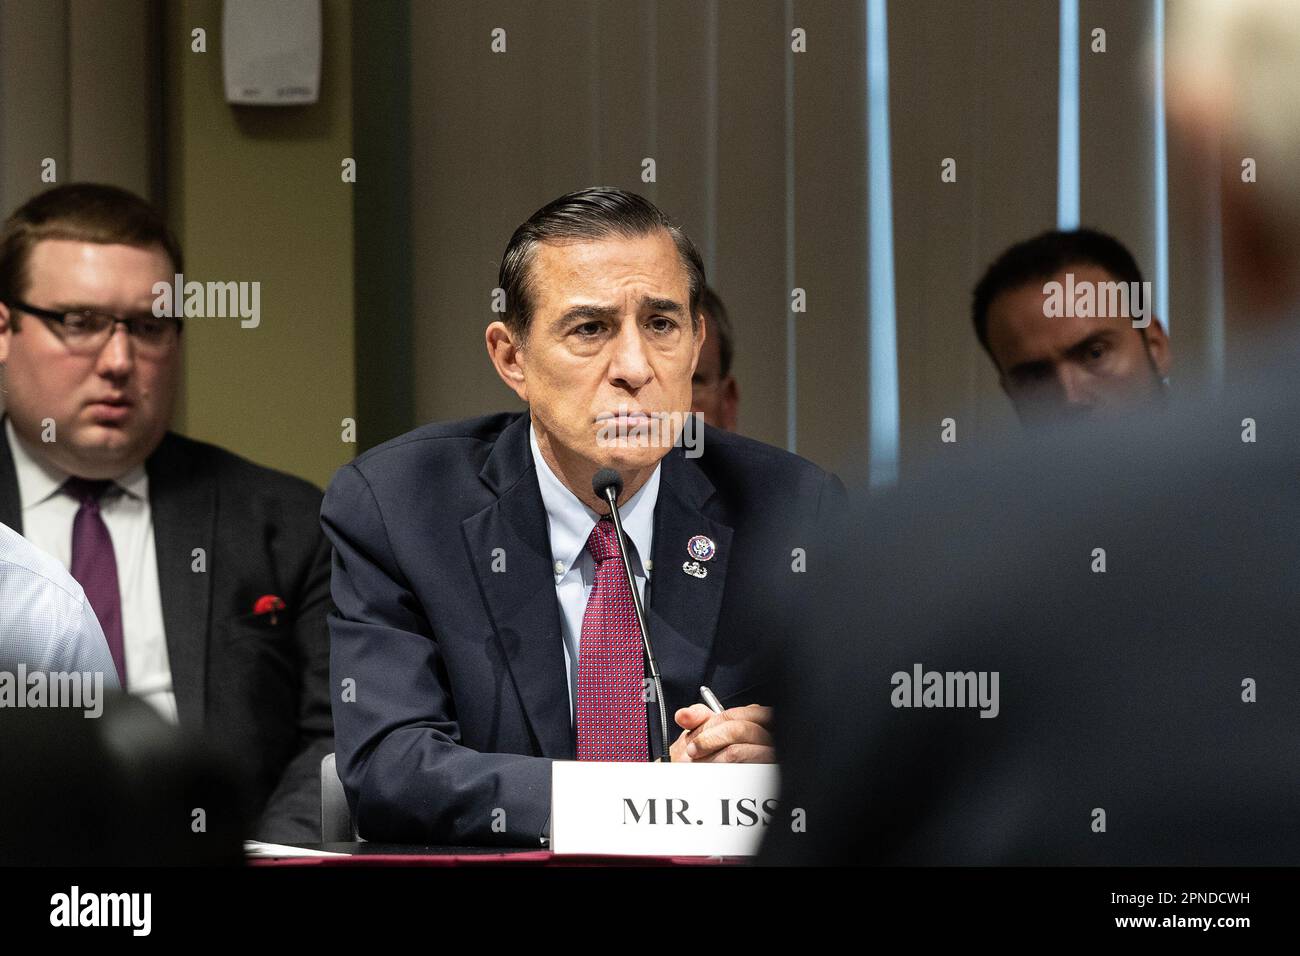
[[364, 853]]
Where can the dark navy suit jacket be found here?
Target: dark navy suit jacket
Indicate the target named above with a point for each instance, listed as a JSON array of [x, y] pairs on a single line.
[[450, 696]]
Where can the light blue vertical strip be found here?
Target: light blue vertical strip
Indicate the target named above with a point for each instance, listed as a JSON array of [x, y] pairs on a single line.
[[1161, 306], [1067, 136], [882, 440], [791, 355]]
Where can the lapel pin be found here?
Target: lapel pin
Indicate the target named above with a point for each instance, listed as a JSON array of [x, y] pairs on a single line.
[[701, 548], [694, 570]]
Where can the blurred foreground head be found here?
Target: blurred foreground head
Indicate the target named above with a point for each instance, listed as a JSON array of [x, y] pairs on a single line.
[[123, 789], [1105, 674]]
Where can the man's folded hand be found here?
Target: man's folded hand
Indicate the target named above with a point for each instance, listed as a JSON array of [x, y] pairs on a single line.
[[737, 735]]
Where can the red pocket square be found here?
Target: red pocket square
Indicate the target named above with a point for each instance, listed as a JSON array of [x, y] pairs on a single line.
[[268, 604]]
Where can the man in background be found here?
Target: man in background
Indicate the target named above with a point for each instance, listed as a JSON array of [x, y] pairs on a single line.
[[208, 574], [714, 392], [1065, 317]]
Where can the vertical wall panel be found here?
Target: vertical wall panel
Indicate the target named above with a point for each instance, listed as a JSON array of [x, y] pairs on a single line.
[[33, 95], [1117, 142], [493, 137], [975, 83], [381, 212], [751, 203], [111, 128], [830, 249], [681, 120]]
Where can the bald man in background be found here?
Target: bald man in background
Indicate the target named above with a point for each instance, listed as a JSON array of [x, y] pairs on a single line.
[[714, 392]]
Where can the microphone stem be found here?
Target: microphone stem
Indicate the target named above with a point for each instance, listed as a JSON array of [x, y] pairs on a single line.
[[651, 663]]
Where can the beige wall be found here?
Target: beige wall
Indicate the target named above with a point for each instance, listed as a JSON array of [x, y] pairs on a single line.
[[975, 83], [256, 195]]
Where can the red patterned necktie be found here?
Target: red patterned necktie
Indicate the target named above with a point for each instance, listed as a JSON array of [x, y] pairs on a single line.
[[611, 662]]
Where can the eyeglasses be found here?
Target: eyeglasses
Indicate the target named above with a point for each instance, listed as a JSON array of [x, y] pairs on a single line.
[[86, 331]]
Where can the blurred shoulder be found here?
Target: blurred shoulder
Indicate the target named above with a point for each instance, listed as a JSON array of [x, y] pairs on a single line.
[[732, 460]]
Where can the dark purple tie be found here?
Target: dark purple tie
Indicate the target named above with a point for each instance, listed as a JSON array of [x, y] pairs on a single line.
[[94, 565]]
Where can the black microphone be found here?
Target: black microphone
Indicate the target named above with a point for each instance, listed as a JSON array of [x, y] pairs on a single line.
[[608, 484]]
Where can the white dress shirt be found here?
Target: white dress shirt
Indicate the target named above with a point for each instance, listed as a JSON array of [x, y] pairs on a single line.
[[569, 523], [46, 623], [48, 514]]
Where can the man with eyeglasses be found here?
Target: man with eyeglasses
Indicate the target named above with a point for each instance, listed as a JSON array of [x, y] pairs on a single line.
[[208, 574]]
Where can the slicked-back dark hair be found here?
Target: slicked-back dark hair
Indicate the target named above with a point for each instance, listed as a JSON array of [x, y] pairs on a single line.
[[598, 212], [1042, 257]]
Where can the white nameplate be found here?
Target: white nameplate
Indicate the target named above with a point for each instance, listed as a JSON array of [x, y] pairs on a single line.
[[662, 809]]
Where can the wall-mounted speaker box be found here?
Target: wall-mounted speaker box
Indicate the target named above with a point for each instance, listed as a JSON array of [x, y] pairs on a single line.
[[270, 51]]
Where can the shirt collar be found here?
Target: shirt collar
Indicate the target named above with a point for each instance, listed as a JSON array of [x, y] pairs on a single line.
[[570, 521], [38, 480]]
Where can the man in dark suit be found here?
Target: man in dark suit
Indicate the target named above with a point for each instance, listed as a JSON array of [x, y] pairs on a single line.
[[478, 636], [209, 574]]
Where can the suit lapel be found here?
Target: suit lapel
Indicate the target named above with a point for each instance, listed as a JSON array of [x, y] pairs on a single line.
[[183, 503], [683, 612], [521, 599], [11, 506], [684, 609]]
